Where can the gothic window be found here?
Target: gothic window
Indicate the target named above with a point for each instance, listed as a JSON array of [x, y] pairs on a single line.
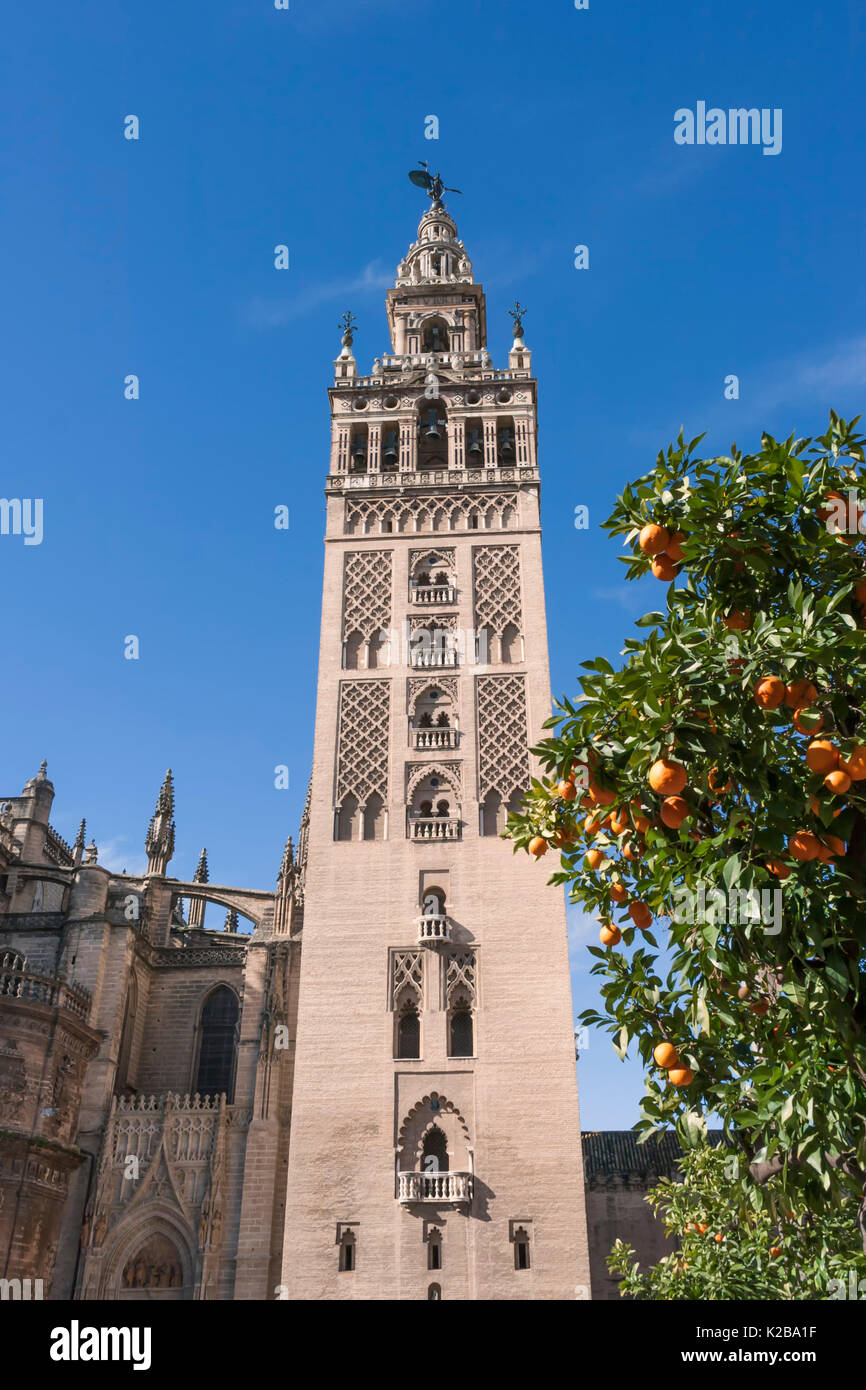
[[434, 1151], [348, 1252], [409, 1034], [460, 1034], [434, 1249], [491, 814], [521, 1248], [217, 1044]]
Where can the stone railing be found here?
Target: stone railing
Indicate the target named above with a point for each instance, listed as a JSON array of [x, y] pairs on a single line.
[[434, 1187], [437, 655], [434, 828], [434, 928], [433, 593], [45, 989], [440, 477], [435, 738]]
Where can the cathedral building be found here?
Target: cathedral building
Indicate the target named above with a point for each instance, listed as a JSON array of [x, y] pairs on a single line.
[[369, 1091]]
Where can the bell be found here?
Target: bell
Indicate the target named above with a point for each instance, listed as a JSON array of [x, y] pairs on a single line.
[[475, 442], [506, 442], [390, 455], [432, 430], [359, 453]]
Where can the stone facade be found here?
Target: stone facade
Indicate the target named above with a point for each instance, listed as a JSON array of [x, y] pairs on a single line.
[[390, 1113]]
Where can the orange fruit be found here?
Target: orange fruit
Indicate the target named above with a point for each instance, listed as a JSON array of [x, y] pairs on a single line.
[[664, 568], [718, 1238], [620, 821], [674, 811], [640, 915], [822, 755], [825, 854], [738, 620], [824, 512], [769, 692], [800, 693], [567, 790], [667, 777], [836, 846], [711, 783], [632, 849], [537, 846], [803, 846], [653, 539], [594, 857], [665, 1055], [701, 1228], [618, 892], [681, 1076], [855, 764], [775, 1252], [808, 720], [837, 782], [760, 1006], [674, 547], [778, 868], [599, 796], [610, 935]]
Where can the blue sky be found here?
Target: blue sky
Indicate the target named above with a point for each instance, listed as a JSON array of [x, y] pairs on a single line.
[[261, 127]]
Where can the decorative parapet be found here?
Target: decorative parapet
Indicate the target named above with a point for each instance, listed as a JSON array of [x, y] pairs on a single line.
[[44, 989], [433, 928], [445, 1188], [445, 477]]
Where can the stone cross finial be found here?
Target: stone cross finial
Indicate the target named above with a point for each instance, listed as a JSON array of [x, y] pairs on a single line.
[[518, 313]]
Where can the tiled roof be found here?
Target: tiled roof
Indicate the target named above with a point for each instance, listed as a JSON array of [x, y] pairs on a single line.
[[616, 1153]]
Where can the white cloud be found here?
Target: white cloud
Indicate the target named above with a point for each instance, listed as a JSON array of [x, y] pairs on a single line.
[[116, 856], [262, 314]]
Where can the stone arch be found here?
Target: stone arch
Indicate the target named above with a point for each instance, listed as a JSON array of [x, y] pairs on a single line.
[[421, 1119], [146, 1223], [441, 770]]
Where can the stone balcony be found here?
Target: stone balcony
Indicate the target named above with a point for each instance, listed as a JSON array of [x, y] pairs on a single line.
[[434, 828], [433, 657], [432, 928], [434, 738], [427, 595], [453, 1188], [44, 989]]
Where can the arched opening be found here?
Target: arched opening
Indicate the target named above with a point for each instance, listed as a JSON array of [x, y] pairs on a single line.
[[434, 1249], [434, 1151], [474, 442], [217, 1044], [434, 902], [434, 1293], [347, 818], [435, 335], [409, 1034], [390, 451], [521, 1248], [353, 647], [348, 1252], [374, 818], [358, 449], [461, 1041], [511, 645], [491, 814], [505, 448], [432, 434]]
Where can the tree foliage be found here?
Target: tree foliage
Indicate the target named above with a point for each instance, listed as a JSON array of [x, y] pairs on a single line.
[[783, 1066], [739, 1241]]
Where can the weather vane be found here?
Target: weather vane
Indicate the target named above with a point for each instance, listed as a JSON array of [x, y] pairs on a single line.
[[518, 313], [422, 178], [348, 323]]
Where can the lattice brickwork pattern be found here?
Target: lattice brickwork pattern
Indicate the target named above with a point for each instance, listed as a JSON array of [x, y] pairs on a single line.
[[362, 743], [503, 756], [408, 975], [460, 978], [366, 516], [497, 587], [367, 592]]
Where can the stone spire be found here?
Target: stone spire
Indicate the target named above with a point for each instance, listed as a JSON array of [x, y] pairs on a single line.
[[195, 916], [78, 847], [201, 873], [231, 920], [159, 843]]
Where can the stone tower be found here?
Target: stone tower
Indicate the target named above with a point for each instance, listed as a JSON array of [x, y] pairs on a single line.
[[435, 1145]]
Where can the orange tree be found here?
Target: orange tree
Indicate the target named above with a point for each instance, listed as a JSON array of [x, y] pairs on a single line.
[[709, 796]]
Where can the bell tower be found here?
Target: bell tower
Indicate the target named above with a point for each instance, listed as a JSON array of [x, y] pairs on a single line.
[[435, 1141]]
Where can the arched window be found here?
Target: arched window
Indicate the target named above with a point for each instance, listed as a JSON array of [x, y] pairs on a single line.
[[434, 1293], [374, 818], [492, 819], [434, 1249], [434, 1152], [409, 1034], [347, 818], [353, 648], [460, 1034], [348, 1252], [216, 1053], [510, 645], [521, 1248]]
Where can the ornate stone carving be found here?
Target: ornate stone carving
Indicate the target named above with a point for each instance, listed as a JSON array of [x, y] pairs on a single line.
[[419, 512], [367, 592], [503, 757], [460, 979], [407, 977], [497, 587], [362, 741]]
